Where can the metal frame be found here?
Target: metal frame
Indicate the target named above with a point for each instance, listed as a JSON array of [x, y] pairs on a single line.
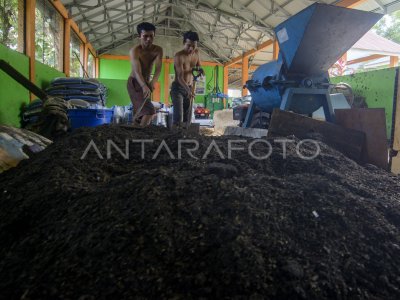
[[227, 28]]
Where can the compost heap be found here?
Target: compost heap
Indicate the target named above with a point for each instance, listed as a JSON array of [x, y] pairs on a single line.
[[117, 228]]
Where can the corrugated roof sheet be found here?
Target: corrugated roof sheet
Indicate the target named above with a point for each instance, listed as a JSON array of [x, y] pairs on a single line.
[[373, 42]]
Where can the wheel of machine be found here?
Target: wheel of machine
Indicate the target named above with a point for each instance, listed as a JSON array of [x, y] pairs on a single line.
[[346, 90], [260, 120]]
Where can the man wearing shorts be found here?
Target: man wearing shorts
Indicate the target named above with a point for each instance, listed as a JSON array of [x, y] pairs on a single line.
[[181, 89], [140, 87]]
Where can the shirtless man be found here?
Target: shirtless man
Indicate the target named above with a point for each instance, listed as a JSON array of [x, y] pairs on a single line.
[[181, 89], [142, 57]]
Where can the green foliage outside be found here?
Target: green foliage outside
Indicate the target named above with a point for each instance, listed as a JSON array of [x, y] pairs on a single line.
[[389, 27], [48, 35], [75, 54], [9, 23]]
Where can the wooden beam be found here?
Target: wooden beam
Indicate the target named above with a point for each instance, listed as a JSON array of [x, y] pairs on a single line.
[[239, 66], [226, 80], [30, 39], [60, 8], [114, 57], [64, 13], [97, 67], [166, 83], [362, 59], [394, 61], [67, 39], [343, 3], [210, 64], [275, 52], [245, 73], [249, 53], [164, 60], [80, 34], [350, 3]]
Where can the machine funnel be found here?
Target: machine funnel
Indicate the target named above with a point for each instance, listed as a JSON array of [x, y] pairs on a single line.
[[315, 38]]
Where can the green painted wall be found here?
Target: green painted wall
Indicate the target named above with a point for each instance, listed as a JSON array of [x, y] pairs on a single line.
[[117, 94], [119, 70], [12, 95], [114, 69], [377, 87], [45, 74]]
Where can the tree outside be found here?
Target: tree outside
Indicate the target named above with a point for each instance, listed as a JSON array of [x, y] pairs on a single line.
[[389, 27], [9, 23]]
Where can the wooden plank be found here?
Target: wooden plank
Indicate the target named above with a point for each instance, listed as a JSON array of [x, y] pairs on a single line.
[[239, 66], [156, 95], [226, 81], [343, 3], [30, 39], [394, 61], [367, 58], [114, 57], [250, 52], [350, 3], [245, 74], [60, 8], [166, 84], [97, 67], [348, 141], [372, 121], [275, 52]]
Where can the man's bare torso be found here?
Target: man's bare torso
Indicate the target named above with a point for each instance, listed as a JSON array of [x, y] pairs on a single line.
[[146, 58], [189, 62]]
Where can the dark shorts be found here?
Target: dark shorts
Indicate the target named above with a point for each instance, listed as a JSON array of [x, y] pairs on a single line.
[[136, 94], [181, 103]]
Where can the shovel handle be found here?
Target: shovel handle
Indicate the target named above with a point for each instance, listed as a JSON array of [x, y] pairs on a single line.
[[21, 79]]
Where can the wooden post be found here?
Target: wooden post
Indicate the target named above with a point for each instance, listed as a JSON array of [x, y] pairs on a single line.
[[245, 73], [97, 67], [226, 83], [166, 83], [67, 40], [394, 61], [30, 39], [275, 53]]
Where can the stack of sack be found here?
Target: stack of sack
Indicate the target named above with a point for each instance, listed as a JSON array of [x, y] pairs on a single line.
[[31, 112], [87, 89]]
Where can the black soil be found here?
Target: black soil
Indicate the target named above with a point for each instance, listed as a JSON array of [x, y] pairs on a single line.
[[214, 228]]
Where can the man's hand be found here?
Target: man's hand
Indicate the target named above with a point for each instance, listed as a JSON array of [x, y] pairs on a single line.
[[146, 91], [189, 92]]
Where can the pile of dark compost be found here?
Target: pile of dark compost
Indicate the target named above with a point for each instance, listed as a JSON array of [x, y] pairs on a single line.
[[76, 224]]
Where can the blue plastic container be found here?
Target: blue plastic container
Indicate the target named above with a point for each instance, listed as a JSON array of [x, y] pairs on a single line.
[[87, 117]]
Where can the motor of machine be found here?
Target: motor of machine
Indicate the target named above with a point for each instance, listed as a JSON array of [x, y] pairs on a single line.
[[310, 43]]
